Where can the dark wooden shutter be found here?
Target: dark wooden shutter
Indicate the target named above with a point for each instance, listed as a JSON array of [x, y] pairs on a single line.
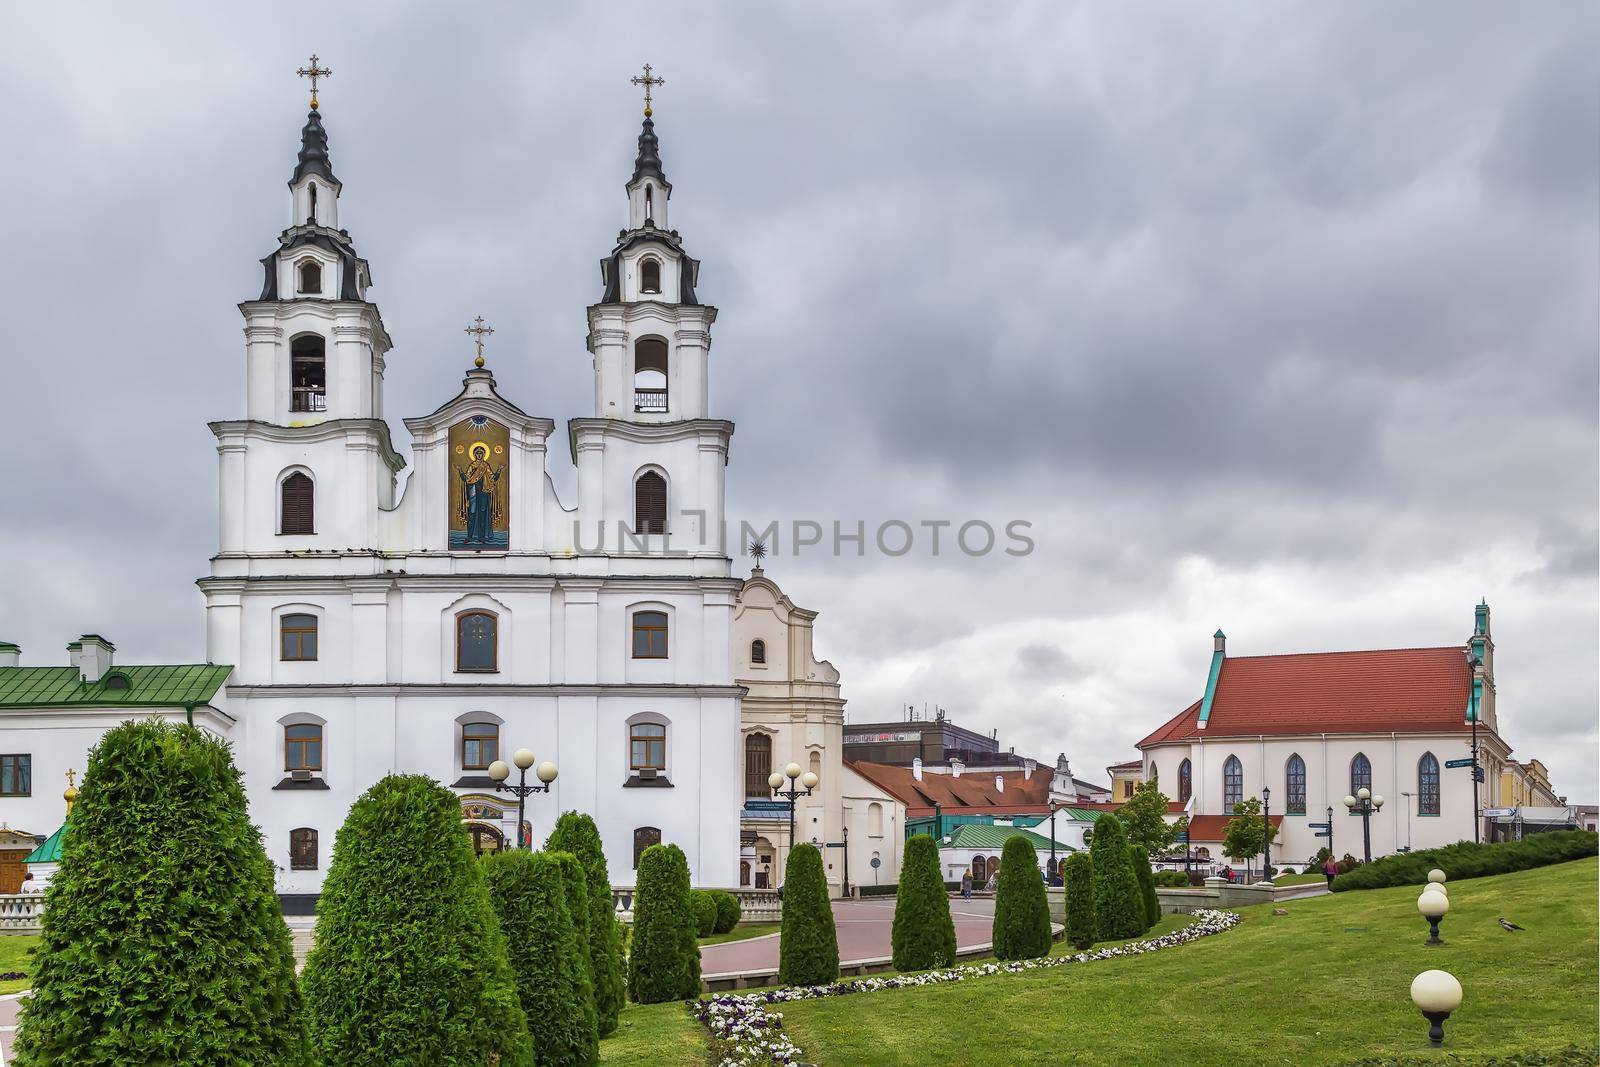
[[643, 838], [297, 505], [650, 503], [757, 765]]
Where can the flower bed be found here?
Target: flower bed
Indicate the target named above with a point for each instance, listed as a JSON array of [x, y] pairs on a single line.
[[745, 1033]]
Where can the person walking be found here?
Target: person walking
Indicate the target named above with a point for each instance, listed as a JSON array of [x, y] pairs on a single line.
[[966, 885], [1330, 867]]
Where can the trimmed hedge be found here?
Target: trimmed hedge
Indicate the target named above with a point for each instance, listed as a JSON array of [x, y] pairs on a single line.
[[923, 935], [1119, 908], [1021, 928], [575, 880], [704, 907], [665, 961], [162, 941], [728, 911], [409, 964], [1172, 879], [531, 895], [1079, 894], [808, 945], [1467, 860], [576, 833], [1147, 884]]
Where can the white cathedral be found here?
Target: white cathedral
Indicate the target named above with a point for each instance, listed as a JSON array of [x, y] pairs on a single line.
[[440, 626]]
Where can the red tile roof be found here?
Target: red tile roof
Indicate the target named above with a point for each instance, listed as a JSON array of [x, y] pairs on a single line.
[[1399, 689], [970, 791], [1210, 828]]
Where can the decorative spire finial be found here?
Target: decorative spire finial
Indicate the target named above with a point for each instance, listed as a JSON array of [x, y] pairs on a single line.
[[71, 793], [314, 72], [649, 81], [479, 331], [758, 552]]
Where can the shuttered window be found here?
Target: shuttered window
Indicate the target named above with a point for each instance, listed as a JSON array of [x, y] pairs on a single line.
[[303, 849], [757, 765], [643, 838], [650, 503], [297, 514]]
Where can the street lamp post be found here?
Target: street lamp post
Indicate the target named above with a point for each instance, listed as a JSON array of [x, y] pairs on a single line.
[[1408, 818], [1364, 804], [1054, 871], [1332, 855], [1472, 707], [1266, 836], [792, 772], [499, 771]]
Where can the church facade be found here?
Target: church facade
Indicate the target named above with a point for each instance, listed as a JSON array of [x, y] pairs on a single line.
[[439, 627]]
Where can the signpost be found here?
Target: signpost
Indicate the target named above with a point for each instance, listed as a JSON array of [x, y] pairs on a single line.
[[1323, 833], [1458, 762]]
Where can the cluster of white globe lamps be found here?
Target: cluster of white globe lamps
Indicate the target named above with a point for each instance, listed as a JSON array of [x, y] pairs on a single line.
[[1435, 993], [809, 779], [499, 770]]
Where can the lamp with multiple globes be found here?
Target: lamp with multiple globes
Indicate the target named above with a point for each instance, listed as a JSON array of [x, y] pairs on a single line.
[[500, 771], [1365, 804]]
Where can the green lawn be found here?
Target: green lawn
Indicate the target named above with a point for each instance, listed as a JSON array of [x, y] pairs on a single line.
[[742, 933], [1326, 983], [664, 1035], [1300, 879], [14, 949]]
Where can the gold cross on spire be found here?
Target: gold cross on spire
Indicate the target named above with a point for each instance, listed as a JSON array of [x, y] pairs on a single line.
[[314, 72], [479, 331], [648, 81]]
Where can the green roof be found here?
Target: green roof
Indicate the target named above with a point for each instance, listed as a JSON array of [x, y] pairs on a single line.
[[148, 687], [50, 851], [972, 835]]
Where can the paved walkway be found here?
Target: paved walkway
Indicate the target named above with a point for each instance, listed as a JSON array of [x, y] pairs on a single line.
[[864, 927]]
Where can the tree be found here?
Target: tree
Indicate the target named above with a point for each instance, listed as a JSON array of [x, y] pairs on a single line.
[[808, 945], [409, 964], [1079, 893], [704, 908], [665, 963], [728, 911], [531, 896], [1118, 906], [1021, 913], [1245, 836], [162, 941], [576, 833], [1144, 817], [923, 935], [575, 880], [1147, 884]]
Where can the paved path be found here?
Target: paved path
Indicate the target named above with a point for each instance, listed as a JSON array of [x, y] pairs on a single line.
[[864, 927], [8, 1024]]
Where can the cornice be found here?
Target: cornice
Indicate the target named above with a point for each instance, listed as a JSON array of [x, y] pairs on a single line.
[[714, 433], [488, 689], [327, 430]]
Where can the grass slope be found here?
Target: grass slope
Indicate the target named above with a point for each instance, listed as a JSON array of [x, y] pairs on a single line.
[[16, 954], [741, 932], [662, 1035], [1326, 983]]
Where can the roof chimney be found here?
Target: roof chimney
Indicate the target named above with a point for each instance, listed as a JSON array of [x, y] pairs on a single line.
[[91, 654], [916, 767], [1219, 642], [1028, 767], [999, 783], [10, 654], [956, 767]]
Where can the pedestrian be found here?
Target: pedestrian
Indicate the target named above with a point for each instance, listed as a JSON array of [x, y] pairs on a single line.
[[1330, 867], [966, 885]]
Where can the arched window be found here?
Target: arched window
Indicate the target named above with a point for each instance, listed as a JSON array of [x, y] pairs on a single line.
[[815, 763], [643, 838], [1294, 778], [875, 819], [757, 764], [649, 635], [297, 505], [1185, 781], [1232, 784], [312, 216], [476, 650], [303, 849], [1360, 774], [649, 204], [1202, 853], [758, 651], [978, 869], [1427, 785], [308, 374], [297, 637], [480, 745], [650, 375], [650, 275], [302, 746], [650, 504], [647, 747], [311, 272]]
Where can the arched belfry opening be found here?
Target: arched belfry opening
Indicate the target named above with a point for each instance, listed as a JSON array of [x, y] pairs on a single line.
[[650, 375], [308, 374]]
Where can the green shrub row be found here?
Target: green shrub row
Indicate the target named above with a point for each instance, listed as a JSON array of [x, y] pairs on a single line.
[[1467, 860], [1119, 907], [1079, 894], [703, 907], [1147, 885], [577, 834]]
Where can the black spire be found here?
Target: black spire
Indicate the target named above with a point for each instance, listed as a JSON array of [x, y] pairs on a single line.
[[649, 160], [313, 157]]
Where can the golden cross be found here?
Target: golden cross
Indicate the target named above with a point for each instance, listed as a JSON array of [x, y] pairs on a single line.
[[648, 81], [479, 331], [314, 72], [72, 779]]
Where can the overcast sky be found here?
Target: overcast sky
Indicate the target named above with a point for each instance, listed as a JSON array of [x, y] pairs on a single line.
[[1268, 317]]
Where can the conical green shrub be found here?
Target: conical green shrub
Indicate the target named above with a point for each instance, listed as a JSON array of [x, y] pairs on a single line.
[[576, 833], [665, 961], [409, 965], [923, 935], [532, 899], [1021, 913], [1079, 893], [1147, 884], [808, 945], [162, 940], [1118, 907], [576, 882]]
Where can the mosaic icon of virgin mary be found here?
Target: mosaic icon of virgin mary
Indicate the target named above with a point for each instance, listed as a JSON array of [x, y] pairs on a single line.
[[479, 488], [481, 510]]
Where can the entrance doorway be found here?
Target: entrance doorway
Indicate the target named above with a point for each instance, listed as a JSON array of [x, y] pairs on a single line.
[[485, 838]]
